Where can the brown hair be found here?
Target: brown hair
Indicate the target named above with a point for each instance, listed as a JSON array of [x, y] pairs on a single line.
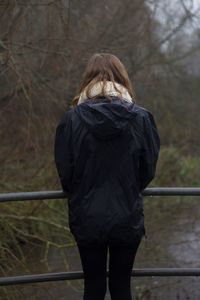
[[103, 67]]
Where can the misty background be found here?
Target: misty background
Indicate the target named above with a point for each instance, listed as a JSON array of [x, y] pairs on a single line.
[[44, 47]]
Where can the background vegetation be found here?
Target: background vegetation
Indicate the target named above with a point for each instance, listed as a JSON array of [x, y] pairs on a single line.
[[44, 45]]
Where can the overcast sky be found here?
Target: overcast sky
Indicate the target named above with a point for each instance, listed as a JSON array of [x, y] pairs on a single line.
[[196, 3], [169, 12]]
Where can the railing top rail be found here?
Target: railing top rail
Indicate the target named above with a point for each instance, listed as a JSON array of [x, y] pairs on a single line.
[[47, 195]]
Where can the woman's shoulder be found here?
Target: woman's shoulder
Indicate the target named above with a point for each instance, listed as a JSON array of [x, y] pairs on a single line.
[[66, 117], [142, 111]]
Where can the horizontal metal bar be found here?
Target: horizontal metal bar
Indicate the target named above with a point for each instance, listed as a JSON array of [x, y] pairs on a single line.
[[45, 195], [172, 191], [164, 272]]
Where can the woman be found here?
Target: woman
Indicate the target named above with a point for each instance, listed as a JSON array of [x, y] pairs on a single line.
[[106, 150]]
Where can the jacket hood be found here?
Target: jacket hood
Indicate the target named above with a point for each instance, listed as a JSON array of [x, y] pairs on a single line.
[[106, 119]]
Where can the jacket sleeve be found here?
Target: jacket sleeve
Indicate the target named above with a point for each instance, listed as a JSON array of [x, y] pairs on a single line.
[[150, 151], [63, 152]]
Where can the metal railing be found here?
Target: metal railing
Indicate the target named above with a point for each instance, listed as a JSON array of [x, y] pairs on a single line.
[[47, 195]]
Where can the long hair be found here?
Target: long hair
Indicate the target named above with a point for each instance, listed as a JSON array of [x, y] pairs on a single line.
[[103, 67]]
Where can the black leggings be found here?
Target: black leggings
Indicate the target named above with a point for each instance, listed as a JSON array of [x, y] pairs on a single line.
[[94, 263]]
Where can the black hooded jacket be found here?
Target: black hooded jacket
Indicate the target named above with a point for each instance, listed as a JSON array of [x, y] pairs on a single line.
[[106, 154]]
